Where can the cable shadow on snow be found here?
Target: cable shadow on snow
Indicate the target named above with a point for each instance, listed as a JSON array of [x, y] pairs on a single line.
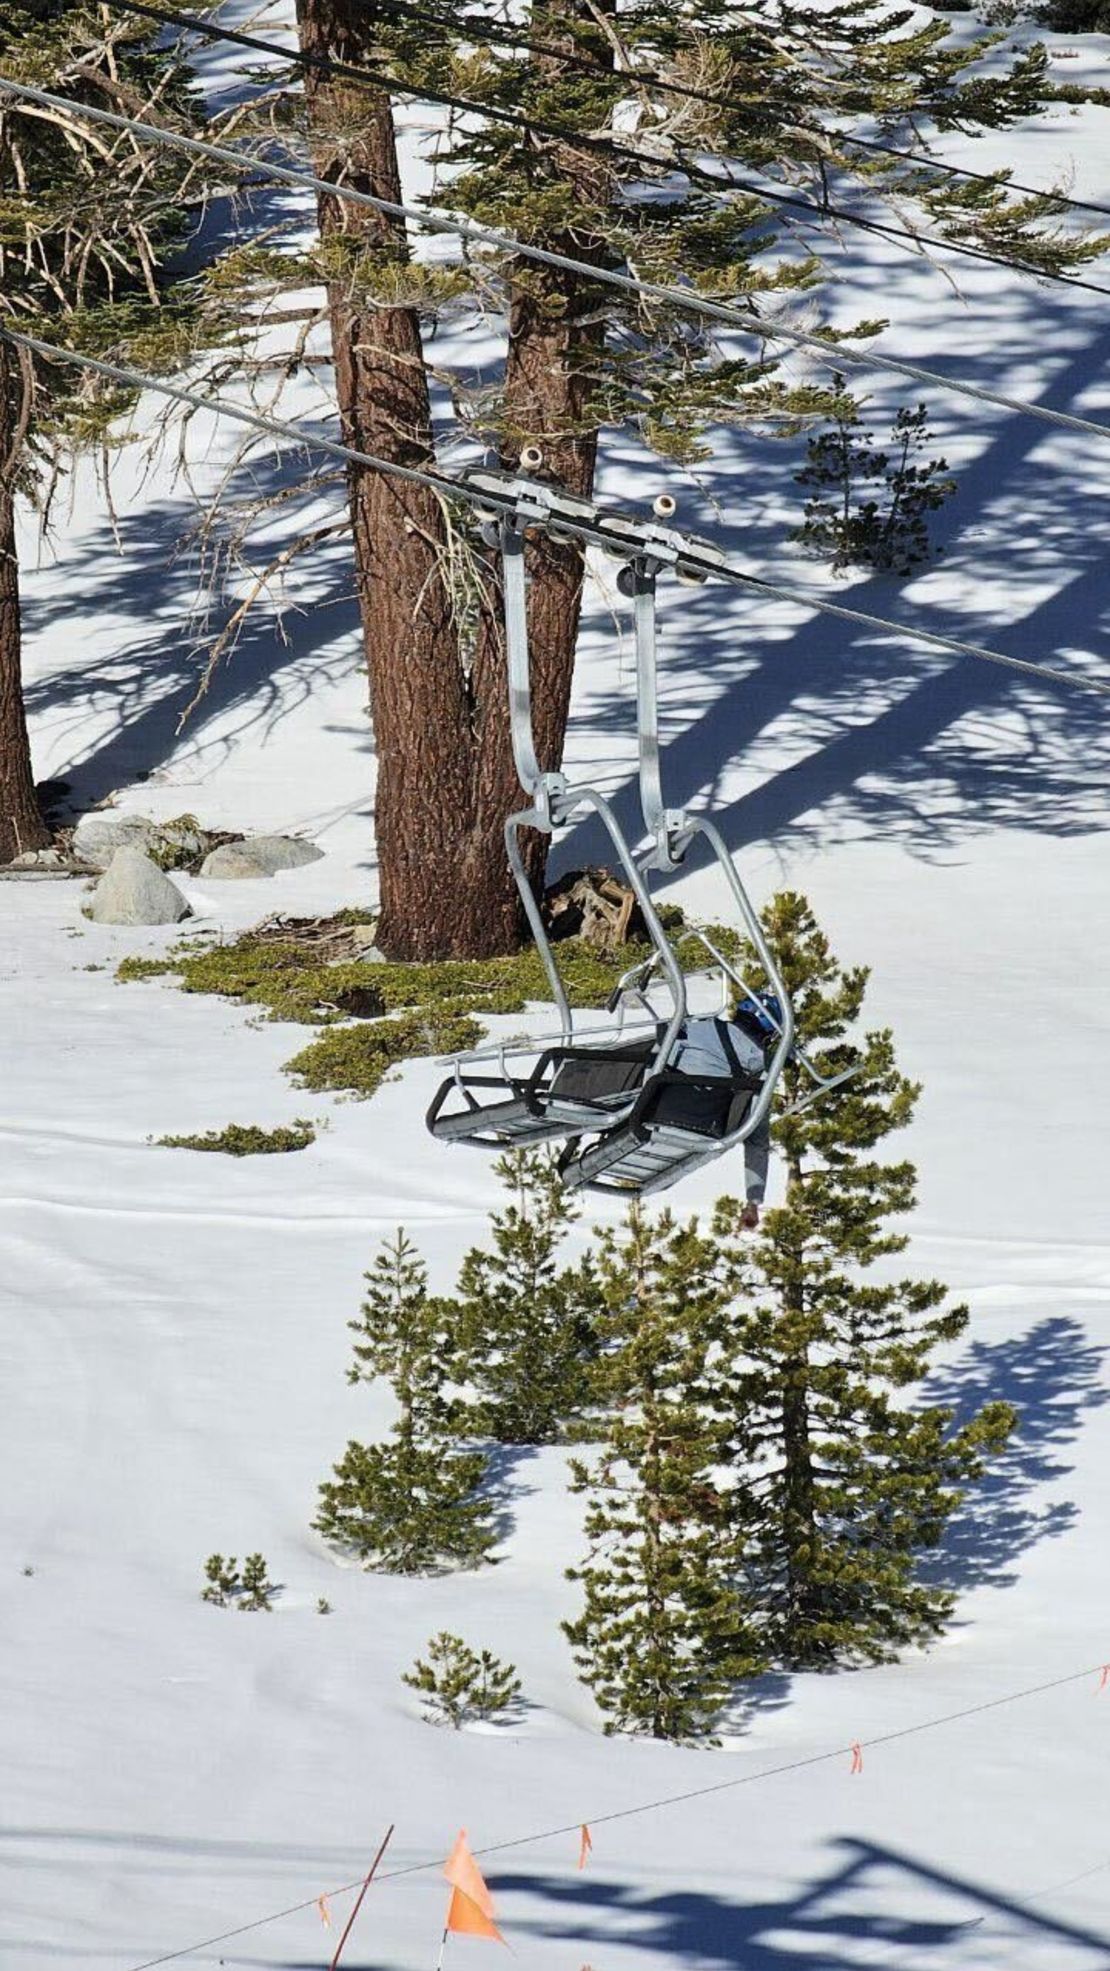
[[1053, 1375], [871, 1907]]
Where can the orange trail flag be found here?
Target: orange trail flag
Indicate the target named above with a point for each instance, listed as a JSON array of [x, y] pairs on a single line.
[[470, 1909], [587, 1844]]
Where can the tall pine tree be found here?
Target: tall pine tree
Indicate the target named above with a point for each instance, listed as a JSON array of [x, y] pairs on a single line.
[[88, 222], [846, 1479], [413, 1505], [664, 1632]]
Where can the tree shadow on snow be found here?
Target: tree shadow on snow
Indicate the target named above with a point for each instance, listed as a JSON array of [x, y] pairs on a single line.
[[887, 737], [124, 709], [1052, 1375]]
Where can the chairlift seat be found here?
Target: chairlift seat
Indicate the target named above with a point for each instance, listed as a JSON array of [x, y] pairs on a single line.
[[678, 1122], [570, 1091]]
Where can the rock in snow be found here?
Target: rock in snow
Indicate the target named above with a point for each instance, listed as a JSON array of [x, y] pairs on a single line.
[[133, 890], [97, 836], [259, 855]]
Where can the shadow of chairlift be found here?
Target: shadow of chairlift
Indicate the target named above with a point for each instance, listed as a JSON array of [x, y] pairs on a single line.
[[629, 1118]]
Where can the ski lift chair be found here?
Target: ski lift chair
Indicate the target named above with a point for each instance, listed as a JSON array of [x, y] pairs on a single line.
[[530, 1090], [630, 1118], [681, 1119]]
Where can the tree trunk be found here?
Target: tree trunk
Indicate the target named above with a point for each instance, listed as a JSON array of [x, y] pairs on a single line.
[[446, 780], [21, 825], [799, 1525]]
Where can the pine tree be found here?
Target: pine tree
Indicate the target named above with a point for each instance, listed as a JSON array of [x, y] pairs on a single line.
[[88, 221], [664, 1633], [525, 1326], [866, 507], [413, 1505], [580, 359], [844, 1485], [457, 1682]]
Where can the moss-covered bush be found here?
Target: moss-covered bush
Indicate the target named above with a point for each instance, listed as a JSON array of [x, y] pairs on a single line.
[[403, 1011], [246, 1139]]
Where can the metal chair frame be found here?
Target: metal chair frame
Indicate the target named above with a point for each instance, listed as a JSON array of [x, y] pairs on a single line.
[[530, 1109]]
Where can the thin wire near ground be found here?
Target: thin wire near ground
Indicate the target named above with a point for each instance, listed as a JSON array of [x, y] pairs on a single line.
[[447, 486], [721, 184], [686, 299], [645, 1807]]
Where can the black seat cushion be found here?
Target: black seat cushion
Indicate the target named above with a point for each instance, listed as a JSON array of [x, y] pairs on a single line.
[[595, 1074]]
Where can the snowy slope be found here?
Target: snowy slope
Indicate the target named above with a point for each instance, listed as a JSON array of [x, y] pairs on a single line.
[[172, 1327]]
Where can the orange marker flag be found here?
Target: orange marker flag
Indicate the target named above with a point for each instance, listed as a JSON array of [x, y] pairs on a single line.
[[325, 1913], [1104, 1677], [471, 1907], [857, 1758], [587, 1844]]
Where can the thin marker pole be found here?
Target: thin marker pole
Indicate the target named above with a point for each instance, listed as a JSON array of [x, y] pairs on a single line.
[[361, 1893]]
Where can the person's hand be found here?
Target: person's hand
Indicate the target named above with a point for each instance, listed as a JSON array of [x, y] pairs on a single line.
[[749, 1216]]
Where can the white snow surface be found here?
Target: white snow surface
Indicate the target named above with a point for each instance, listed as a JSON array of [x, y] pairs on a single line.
[[173, 1333]]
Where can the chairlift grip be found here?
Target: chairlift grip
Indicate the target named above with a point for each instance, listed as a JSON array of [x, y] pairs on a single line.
[[667, 826]]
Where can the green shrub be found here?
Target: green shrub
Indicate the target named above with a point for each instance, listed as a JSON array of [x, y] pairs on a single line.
[[456, 1684], [246, 1139], [356, 1060], [404, 1011]]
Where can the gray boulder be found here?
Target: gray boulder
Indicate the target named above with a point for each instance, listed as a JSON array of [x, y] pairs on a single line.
[[38, 859], [133, 890], [97, 836], [276, 852], [233, 859], [259, 855]]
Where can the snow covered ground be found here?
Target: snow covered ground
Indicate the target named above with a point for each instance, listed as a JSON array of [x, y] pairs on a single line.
[[173, 1328]]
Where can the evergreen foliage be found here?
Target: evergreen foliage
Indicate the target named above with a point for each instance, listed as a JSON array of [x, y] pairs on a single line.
[[405, 1508], [246, 1139], [458, 1684], [664, 1632], [258, 1590], [524, 1325], [846, 521], [846, 1479], [89, 220], [413, 1505], [223, 1578], [252, 1589]]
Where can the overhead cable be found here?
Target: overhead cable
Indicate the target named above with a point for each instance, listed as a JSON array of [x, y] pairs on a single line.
[[448, 486], [501, 34], [721, 184], [688, 300]]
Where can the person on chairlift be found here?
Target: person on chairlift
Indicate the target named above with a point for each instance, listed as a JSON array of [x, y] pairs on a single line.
[[718, 1047]]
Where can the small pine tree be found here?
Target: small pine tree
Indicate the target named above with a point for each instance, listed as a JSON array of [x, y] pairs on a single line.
[[526, 1327], [414, 1505], [887, 529], [408, 1508], [258, 1589], [663, 1634], [457, 1684], [223, 1580], [844, 1485]]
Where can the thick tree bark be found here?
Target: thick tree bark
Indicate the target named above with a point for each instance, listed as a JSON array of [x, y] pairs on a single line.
[[446, 780], [21, 825], [799, 1524]]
